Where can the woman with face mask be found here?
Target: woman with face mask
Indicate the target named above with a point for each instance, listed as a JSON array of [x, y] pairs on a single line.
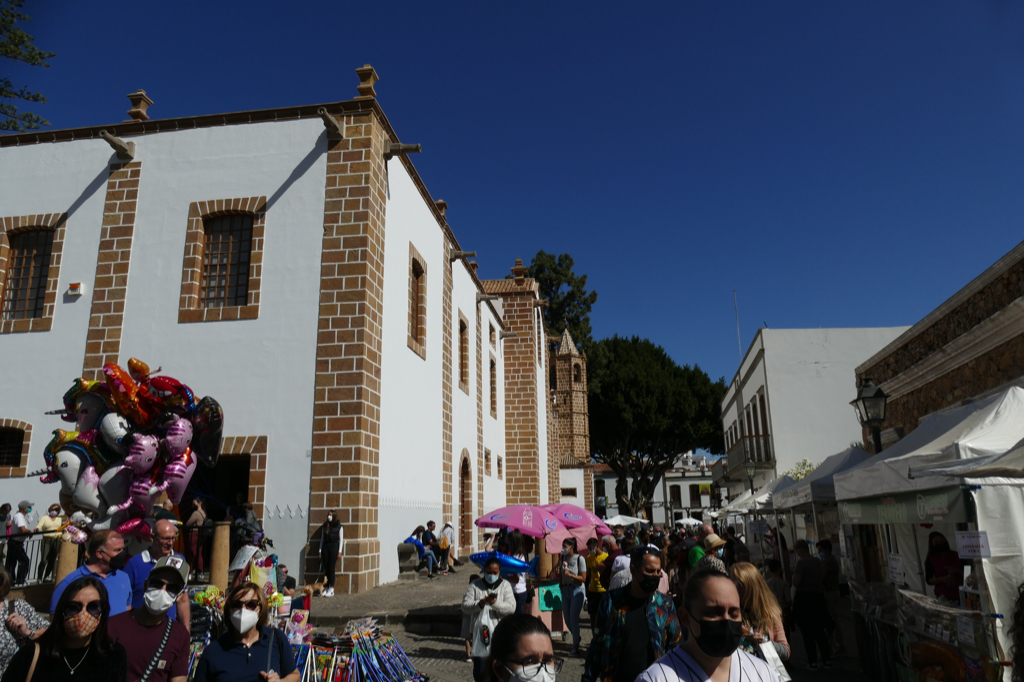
[[332, 542], [494, 593], [249, 650], [521, 651], [22, 621], [76, 647], [762, 614], [713, 619], [572, 573]]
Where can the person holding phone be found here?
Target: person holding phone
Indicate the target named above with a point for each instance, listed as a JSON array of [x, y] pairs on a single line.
[[488, 591]]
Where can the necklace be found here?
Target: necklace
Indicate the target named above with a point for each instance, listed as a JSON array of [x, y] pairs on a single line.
[[75, 667]]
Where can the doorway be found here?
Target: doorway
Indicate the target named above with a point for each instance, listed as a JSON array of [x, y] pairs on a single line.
[[465, 505]]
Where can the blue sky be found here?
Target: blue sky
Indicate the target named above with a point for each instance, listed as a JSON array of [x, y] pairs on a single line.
[[838, 164]]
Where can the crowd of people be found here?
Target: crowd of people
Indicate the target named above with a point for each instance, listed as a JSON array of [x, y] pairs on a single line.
[[662, 606]]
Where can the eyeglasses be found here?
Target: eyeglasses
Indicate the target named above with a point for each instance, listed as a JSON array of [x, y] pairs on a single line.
[[251, 605], [93, 608], [173, 587], [165, 539], [530, 670]]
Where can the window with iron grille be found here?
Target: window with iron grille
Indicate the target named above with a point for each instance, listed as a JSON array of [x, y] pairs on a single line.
[[25, 291], [228, 245], [11, 441]]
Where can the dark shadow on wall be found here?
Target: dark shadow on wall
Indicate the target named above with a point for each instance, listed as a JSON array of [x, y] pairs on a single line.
[[318, 150]]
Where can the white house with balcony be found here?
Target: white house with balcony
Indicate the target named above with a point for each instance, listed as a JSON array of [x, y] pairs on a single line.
[[684, 491], [790, 400]]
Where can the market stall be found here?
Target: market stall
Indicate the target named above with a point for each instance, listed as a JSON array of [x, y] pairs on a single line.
[[893, 504]]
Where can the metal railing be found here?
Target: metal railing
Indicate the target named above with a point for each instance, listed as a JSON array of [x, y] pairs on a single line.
[[39, 564], [756, 449]]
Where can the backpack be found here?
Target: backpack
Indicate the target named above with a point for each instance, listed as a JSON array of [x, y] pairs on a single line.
[[443, 542]]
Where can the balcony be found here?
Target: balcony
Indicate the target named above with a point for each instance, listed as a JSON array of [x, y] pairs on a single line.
[[755, 449]]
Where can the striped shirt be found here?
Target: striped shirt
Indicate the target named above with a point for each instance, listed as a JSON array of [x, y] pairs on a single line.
[[679, 666]]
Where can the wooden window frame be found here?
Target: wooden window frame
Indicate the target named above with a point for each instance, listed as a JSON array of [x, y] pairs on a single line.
[[463, 353], [417, 329], [190, 302], [487, 461], [13, 225], [498, 459], [26, 445], [493, 369], [491, 334]]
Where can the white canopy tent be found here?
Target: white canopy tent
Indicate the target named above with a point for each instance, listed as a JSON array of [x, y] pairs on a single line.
[[625, 521], [763, 501], [818, 486], [688, 521], [733, 507], [981, 432]]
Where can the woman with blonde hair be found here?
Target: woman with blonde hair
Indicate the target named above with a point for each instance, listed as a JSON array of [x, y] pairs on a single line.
[[761, 612]]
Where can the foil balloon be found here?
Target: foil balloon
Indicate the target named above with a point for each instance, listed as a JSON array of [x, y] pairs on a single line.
[[138, 435]]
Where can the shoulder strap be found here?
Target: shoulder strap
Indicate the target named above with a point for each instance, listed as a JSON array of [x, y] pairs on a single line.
[[158, 653], [32, 668]]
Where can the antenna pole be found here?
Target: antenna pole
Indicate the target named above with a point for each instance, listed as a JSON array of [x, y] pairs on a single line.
[[736, 306]]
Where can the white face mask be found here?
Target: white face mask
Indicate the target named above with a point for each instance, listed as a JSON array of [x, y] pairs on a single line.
[[491, 578], [244, 620], [519, 675], [158, 602], [53, 512], [330, 517]]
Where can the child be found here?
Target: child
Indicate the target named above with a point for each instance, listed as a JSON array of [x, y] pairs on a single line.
[[780, 588]]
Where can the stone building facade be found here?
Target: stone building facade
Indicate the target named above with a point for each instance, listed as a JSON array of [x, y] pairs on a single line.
[[570, 423], [363, 366], [970, 345]]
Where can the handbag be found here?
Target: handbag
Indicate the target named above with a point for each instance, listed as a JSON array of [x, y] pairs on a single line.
[[482, 634], [771, 657]]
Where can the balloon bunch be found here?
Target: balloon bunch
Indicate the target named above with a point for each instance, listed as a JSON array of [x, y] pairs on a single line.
[[137, 436]]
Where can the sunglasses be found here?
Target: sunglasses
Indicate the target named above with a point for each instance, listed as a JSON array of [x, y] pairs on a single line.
[[93, 608], [251, 605], [157, 583]]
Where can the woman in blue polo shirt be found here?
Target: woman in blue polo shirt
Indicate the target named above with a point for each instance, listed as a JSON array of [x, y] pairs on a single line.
[[243, 652]]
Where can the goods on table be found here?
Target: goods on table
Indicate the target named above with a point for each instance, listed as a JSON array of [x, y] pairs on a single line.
[[363, 653]]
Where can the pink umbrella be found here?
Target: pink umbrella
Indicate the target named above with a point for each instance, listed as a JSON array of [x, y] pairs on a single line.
[[583, 524], [528, 520]]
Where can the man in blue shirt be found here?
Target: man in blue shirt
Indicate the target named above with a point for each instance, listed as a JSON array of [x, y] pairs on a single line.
[[140, 565], [106, 558]]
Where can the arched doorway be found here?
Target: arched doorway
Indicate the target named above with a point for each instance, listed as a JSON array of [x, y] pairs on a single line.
[[465, 504]]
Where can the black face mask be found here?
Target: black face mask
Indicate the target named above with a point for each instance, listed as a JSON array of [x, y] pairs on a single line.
[[719, 638], [649, 583], [118, 561]]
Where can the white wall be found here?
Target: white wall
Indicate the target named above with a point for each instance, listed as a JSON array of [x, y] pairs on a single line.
[[261, 371], [464, 406], [811, 382], [36, 369], [411, 408], [572, 478], [494, 427]]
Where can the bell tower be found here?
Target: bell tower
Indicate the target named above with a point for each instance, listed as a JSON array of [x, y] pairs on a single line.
[[571, 422]]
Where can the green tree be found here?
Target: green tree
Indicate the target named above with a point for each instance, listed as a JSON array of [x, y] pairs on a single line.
[[569, 302], [801, 469], [16, 45], [646, 412]]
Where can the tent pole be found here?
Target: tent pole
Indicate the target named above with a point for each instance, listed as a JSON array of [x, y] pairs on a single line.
[[920, 564], [814, 517]]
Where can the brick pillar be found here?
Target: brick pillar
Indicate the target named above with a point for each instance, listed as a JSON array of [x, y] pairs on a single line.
[[103, 343], [523, 430], [346, 413], [588, 487], [479, 414], [448, 473]]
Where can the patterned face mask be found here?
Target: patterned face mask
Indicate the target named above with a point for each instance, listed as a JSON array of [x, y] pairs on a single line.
[[82, 624]]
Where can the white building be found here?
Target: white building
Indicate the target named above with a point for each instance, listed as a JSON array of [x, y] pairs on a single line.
[[790, 400], [684, 491], [358, 361]]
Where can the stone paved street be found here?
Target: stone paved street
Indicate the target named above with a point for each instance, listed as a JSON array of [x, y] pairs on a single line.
[[425, 616]]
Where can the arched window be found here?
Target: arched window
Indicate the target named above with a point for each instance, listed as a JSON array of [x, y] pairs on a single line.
[[577, 374], [11, 442], [417, 340], [463, 353]]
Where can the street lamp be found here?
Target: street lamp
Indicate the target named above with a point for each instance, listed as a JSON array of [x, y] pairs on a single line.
[[870, 404], [751, 470]]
